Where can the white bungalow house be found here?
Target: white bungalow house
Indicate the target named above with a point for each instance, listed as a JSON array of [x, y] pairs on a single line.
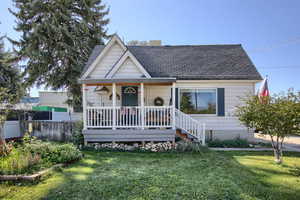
[[128, 91]]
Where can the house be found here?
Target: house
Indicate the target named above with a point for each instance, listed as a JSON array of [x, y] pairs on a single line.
[[150, 93], [55, 102]]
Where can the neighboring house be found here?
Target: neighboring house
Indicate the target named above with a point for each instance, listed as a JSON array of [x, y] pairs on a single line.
[[27, 102], [56, 101], [128, 91]]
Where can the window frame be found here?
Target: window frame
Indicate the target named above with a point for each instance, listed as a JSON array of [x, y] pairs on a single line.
[[198, 88]]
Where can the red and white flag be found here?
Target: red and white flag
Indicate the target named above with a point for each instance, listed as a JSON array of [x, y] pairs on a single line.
[[264, 90]]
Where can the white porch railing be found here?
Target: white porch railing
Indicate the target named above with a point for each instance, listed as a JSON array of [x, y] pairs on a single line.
[[129, 117], [190, 125], [149, 117]]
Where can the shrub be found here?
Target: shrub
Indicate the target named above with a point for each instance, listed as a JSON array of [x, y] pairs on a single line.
[[54, 153], [235, 143], [19, 162], [27, 138], [5, 148], [277, 116], [77, 136]]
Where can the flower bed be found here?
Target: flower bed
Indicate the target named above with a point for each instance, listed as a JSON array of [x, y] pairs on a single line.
[[32, 155], [153, 147], [148, 147]]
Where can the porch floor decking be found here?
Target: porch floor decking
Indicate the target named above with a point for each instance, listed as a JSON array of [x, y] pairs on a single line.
[[128, 135]]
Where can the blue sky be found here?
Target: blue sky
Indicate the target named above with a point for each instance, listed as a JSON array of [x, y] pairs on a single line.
[[268, 30]]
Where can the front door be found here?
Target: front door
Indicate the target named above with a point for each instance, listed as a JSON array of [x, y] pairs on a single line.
[[129, 96]]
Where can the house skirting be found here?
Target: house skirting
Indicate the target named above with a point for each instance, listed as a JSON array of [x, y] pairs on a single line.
[[128, 135], [229, 134]]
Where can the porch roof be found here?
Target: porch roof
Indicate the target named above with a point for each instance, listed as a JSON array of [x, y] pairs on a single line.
[[128, 80]]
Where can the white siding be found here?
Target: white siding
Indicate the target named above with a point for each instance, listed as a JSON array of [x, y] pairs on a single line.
[[106, 63], [94, 99], [151, 92], [52, 98], [234, 93], [128, 70]]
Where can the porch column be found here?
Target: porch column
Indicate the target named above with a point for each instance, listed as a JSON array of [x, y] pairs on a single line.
[[142, 106], [173, 105], [114, 105], [84, 106]]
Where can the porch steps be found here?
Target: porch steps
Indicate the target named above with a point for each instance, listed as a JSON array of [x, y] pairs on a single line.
[[188, 128], [186, 136]]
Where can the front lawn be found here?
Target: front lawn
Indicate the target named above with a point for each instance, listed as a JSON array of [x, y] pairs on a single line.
[[210, 175]]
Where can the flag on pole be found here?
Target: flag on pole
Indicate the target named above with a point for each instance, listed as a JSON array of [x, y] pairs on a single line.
[[264, 90]]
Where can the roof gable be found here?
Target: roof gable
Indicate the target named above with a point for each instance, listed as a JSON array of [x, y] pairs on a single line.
[[127, 65], [98, 57]]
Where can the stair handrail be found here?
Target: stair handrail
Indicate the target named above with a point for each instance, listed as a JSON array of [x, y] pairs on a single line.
[[190, 125]]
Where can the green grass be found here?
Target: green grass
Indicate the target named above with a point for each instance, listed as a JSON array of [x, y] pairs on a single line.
[[210, 175]]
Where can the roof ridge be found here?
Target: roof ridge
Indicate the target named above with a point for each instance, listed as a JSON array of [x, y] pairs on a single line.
[[193, 45]]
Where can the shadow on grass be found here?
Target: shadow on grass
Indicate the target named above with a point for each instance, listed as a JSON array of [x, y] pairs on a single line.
[[113, 175]]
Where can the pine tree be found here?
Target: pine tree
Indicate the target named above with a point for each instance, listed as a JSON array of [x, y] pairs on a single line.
[[10, 87], [186, 105], [57, 38]]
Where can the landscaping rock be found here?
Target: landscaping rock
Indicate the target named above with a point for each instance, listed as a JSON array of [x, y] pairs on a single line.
[[154, 147]]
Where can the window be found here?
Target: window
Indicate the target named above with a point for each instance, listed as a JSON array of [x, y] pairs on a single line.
[[129, 90], [198, 101]]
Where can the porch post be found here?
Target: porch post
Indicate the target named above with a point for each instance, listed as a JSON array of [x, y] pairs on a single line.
[[142, 106], [114, 105], [173, 105], [84, 106]]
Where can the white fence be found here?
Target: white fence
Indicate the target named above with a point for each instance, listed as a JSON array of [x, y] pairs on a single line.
[[12, 129], [61, 116]]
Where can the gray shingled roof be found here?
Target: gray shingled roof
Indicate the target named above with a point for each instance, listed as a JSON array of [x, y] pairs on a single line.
[[201, 62]]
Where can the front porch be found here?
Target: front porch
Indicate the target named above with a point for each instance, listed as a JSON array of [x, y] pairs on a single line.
[[124, 110]]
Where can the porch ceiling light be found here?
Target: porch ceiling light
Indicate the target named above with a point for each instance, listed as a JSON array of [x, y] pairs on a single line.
[[101, 90]]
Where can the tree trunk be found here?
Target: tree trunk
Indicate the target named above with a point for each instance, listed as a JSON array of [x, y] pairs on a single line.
[[278, 155], [2, 139], [277, 147]]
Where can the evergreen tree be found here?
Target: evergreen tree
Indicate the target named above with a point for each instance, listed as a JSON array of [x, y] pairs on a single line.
[[10, 87], [57, 38], [186, 105]]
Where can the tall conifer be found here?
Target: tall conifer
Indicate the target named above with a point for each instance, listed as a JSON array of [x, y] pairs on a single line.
[[57, 37]]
